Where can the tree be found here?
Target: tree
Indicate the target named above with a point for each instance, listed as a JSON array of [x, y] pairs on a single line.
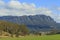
[[13, 28]]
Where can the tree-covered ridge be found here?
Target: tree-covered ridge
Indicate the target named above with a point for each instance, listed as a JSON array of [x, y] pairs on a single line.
[[13, 28]]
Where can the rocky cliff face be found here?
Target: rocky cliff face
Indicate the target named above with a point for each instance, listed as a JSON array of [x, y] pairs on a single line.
[[34, 23]]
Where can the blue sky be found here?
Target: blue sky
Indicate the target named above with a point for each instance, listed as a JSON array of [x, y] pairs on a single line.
[[43, 3], [30, 7]]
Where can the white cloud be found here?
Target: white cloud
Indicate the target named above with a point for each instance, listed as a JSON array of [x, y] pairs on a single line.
[[2, 2], [14, 4], [15, 8]]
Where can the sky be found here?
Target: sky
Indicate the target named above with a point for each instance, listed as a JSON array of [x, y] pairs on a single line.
[[30, 7]]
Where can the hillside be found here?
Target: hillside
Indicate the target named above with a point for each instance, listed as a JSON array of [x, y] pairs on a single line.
[[33, 23]]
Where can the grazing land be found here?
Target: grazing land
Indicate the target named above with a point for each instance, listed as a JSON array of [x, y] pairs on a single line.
[[46, 37]]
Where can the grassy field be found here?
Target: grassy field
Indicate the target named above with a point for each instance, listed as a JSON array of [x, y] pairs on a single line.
[[49, 37]]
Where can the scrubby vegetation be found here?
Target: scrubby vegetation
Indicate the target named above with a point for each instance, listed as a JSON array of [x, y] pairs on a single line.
[[10, 29]]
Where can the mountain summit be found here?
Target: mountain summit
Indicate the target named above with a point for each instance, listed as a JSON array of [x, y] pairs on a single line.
[[34, 23]]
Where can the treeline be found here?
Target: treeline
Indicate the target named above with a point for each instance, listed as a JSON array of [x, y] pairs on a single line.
[[13, 28]]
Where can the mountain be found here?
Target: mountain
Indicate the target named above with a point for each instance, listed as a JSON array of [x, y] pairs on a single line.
[[33, 23]]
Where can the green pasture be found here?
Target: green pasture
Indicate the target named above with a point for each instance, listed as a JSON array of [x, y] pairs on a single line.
[[31, 37]]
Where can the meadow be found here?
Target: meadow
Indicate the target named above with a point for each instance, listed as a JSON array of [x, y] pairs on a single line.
[[46, 37]]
